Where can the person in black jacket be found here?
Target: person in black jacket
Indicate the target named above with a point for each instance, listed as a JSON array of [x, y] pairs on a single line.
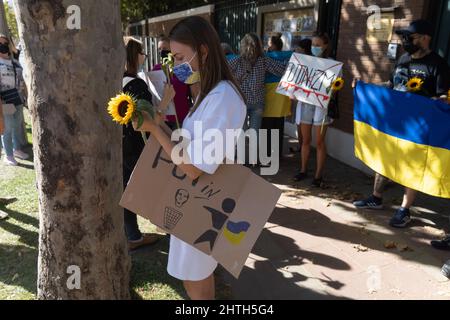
[[133, 144]]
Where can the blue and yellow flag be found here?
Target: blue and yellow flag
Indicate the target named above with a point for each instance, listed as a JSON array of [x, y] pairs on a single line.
[[276, 105], [404, 137]]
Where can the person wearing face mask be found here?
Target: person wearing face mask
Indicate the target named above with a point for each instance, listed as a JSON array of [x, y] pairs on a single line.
[[11, 104], [219, 105], [164, 47], [181, 100], [310, 116], [421, 62], [132, 142]]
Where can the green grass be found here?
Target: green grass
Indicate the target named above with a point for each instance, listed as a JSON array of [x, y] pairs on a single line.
[[19, 245]]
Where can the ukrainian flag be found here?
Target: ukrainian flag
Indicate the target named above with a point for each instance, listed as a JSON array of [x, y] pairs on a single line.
[[276, 105], [404, 137], [236, 232]]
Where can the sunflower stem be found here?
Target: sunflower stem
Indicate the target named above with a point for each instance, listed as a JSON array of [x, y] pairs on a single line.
[[144, 137]]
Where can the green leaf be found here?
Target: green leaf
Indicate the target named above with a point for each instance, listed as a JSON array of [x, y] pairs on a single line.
[[140, 119], [145, 106]]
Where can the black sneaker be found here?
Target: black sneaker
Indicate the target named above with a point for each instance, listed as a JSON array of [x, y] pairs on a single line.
[[317, 183], [442, 244], [401, 218], [372, 202], [301, 176]]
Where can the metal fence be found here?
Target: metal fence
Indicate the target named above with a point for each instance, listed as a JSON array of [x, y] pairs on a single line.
[[235, 18]]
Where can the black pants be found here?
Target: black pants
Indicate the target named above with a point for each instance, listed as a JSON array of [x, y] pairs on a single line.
[[274, 124], [130, 219]]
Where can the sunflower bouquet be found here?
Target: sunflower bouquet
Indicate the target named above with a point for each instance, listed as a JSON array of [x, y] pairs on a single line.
[[336, 86], [124, 107]]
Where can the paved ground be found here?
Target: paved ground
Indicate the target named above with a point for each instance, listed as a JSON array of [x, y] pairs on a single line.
[[317, 246]]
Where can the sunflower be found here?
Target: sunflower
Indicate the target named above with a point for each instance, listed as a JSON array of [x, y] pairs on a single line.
[[337, 84], [121, 108], [414, 84], [448, 95]]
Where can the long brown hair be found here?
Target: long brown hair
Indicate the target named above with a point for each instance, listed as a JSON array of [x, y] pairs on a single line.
[[326, 40], [134, 48], [196, 32], [251, 48]]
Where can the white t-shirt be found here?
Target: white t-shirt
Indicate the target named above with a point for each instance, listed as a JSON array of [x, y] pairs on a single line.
[[222, 109]]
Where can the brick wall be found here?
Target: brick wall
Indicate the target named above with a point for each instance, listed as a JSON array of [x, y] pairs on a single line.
[[364, 60]]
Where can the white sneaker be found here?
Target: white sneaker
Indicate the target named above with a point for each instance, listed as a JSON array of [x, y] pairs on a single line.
[[10, 161], [21, 155]]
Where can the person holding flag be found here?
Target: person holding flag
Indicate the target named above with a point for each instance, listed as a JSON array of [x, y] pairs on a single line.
[[424, 72]]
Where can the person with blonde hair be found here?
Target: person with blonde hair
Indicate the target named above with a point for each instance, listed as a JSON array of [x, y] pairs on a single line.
[[250, 70]]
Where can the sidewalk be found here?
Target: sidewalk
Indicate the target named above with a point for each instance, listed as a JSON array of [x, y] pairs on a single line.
[[318, 246]]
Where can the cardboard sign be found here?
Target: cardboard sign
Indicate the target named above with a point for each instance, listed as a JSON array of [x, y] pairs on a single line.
[[308, 79], [222, 214]]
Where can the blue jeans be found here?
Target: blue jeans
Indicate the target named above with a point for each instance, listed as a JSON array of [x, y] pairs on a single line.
[[254, 116], [13, 127], [253, 121]]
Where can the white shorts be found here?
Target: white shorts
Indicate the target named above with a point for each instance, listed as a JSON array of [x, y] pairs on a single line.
[[187, 263], [312, 115]]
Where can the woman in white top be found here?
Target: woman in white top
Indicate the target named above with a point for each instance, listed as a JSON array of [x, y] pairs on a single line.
[[201, 63]]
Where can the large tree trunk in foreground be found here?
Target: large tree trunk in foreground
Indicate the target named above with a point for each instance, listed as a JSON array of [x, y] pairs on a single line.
[[77, 148]]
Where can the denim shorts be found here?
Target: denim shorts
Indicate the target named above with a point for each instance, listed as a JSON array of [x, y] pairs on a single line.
[[312, 115]]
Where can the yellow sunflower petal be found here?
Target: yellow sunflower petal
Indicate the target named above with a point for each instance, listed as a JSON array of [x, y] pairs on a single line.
[[338, 84], [414, 84], [121, 108]]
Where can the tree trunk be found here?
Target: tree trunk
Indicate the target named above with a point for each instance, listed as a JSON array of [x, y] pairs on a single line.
[[77, 148]]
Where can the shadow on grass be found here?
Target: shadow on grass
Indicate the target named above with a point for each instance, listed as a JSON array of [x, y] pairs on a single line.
[[27, 237], [19, 267], [22, 217], [149, 272]]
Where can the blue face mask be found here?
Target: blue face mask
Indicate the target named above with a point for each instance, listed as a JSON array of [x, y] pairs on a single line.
[[185, 74], [317, 51]]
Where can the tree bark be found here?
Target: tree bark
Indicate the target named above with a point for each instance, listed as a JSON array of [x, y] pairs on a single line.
[[77, 148]]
